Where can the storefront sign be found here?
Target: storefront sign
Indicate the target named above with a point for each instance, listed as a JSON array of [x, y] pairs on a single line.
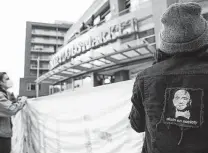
[[91, 41]]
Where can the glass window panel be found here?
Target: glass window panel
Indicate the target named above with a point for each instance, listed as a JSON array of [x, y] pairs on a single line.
[[131, 53], [105, 61], [119, 57], [87, 65], [97, 63], [66, 72], [143, 51], [73, 70]]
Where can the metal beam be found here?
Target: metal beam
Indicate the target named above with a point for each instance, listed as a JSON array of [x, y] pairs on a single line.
[[63, 74], [48, 81], [125, 55], [122, 53], [54, 78], [70, 71], [110, 58], [94, 64], [134, 49], [81, 68], [103, 62], [137, 52], [151, 49]]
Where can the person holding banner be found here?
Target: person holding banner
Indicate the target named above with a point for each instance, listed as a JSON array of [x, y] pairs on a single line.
[[9, 106], [170, 97]]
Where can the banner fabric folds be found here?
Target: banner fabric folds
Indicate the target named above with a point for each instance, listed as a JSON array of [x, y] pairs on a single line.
[[91, 120]]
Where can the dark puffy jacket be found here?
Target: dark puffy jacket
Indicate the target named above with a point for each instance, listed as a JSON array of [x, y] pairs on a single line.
[[170, 104]]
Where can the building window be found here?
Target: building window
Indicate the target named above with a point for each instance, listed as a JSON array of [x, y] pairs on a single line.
[[150, 39], [104, 13], [97, 20], [33, 73], [128, 38], [108, 17], [30, 86], [42, 72], [146, 33], [127, 4]]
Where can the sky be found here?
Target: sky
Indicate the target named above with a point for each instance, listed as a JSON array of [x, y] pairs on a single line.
[[13, 16]]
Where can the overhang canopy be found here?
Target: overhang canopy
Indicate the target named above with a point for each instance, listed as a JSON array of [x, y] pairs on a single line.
[[98, 59]]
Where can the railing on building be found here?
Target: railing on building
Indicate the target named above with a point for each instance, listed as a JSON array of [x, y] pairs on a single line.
[[147, 38], [47, 41], [43, 51], [123, 12], [41, 59], [41, 68], [48, 33]]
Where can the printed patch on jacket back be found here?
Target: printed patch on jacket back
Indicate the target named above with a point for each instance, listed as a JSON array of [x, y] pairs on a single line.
[[183, 107]]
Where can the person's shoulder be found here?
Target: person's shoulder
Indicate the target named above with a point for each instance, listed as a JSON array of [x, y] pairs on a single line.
[[3, 96], [2, 93], [174, 65], [155, 69]]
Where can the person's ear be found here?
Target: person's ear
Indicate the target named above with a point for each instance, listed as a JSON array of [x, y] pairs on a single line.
[[173, 102], [190, 102]]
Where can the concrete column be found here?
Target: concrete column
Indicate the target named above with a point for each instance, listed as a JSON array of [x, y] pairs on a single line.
[[94, 80], [82, 81], [158, 8], [116, 6], [52, 89], [61, 84], [72, 82], [122, 75]]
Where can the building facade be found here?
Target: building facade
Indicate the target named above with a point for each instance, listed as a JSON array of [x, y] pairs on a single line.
[[111, 42], [42, 41]]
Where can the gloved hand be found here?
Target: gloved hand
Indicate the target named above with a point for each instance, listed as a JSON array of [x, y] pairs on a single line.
[[22, 100]]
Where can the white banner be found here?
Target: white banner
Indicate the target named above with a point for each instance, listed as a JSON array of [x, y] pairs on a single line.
[[83, 121]]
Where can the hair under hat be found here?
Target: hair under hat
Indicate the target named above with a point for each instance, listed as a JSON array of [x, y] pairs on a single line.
[[1, 75], [184, 29]]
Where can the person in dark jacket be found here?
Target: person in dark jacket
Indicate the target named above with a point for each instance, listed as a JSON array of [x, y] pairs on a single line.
[[9, 106], [177, 81]]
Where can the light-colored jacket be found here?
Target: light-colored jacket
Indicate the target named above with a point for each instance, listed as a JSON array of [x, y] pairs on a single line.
[[8, 108]]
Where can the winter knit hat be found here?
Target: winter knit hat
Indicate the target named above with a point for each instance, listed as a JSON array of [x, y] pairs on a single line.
[[184, 29]]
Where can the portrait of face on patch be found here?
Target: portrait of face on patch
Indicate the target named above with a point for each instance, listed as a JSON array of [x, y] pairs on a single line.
[[183, 107]]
